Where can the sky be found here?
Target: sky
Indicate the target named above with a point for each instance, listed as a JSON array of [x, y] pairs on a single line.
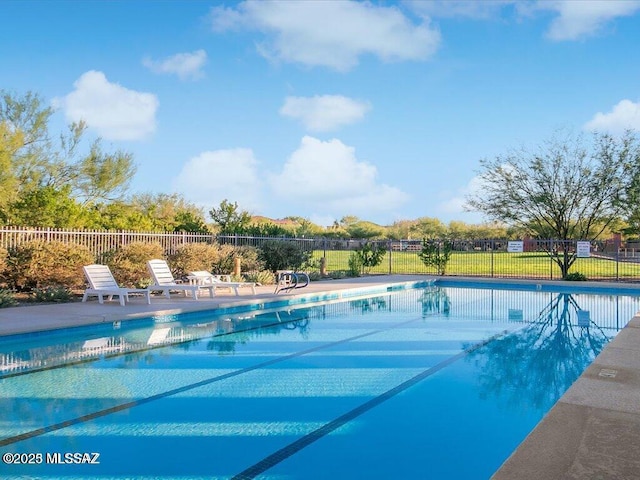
[[323, 109]]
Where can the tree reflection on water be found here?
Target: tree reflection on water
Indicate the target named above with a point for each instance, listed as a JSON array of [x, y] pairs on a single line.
[[435, 300], [533, 367]]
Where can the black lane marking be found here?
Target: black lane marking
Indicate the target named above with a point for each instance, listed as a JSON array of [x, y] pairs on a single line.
[[158, 396], [294, 447]]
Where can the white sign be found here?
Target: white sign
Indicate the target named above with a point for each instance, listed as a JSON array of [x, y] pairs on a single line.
[[515, 246], [583, 249]]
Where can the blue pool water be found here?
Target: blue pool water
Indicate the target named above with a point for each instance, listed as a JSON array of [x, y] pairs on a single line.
[[437, 382]]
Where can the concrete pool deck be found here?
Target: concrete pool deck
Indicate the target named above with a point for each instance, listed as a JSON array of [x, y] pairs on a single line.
[[592, 432]]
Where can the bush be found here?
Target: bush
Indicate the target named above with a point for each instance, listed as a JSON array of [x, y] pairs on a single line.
[[264, 277], [38, 264], [223, 264], [576, 277], [192, 257], [355, 265], [249, 261], [368, 256], [436, 254], [282, 255], [129, 263], [3, 263], [6, 298], [53, 294]]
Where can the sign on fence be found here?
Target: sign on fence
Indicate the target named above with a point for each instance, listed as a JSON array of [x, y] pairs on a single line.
[[515, 246], [583, 249]]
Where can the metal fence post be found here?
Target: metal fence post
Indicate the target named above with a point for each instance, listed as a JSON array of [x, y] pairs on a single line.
[[390, 261], [550, 260], [493, 247]]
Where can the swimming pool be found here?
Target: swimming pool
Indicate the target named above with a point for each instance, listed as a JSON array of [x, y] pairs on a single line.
[[436, 382]]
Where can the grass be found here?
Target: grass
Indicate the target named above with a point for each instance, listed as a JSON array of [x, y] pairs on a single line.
[[536, 265]]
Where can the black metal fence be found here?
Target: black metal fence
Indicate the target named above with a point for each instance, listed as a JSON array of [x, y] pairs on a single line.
[[534, 259]]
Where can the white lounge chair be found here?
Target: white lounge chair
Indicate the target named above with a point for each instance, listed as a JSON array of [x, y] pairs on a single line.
[[163, 281], [204, 278], [102, 284]]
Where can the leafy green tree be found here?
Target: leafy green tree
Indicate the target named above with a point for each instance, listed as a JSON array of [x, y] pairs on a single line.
[[49, 207], [265, 229], [33, 165], [120, 215], [229, 218], [567, 189], [10, 141], [364, 229], [401, 229], [436, 254], [427, 227], [169, 212], [369, 256]]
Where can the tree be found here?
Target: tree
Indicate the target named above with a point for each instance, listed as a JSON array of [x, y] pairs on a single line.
[[31, 164], [436, 254], [49, 207], [10, 141], [567, 189], [229, 218], [169, 212], [364, 229], [369, 256]]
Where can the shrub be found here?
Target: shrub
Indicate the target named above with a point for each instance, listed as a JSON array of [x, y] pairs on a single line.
[[3, 263], [576, 277], [282, 255], [436, 254], [264, 277], [249, 261], [129, 263], [6, 298], [192, 257], [223, 264], [369, 257], [338, 274], [355, 265], [56, 294], [38, 264]]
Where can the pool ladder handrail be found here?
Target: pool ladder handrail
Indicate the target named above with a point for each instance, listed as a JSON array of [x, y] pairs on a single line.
[[287, 280]]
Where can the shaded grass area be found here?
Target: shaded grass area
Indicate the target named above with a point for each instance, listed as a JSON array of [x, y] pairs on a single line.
[[536, 265]]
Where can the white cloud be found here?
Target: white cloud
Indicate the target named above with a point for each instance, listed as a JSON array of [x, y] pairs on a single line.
[[184, 65], [328, 178], [214, 176], [475, 9], [454, 204], [324, 113], [583, 18], [114, 111], [333, 34], [625, 115]]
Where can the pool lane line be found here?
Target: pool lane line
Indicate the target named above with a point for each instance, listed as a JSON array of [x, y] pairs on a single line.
[[294, 447], [125, 406]]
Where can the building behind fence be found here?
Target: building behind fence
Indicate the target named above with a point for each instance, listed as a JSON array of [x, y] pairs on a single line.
[[609, 260]]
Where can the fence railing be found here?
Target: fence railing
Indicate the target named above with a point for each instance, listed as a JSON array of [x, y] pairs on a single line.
[[481, 258]]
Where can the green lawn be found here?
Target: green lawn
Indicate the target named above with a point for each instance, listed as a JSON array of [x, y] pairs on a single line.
[[497, 264]]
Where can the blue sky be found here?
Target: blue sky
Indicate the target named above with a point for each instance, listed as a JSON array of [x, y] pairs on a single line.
[[380, 110]]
